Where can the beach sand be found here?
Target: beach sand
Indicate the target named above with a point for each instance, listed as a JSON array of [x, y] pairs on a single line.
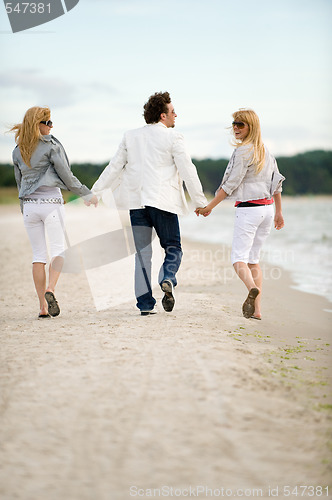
[[109, 405]]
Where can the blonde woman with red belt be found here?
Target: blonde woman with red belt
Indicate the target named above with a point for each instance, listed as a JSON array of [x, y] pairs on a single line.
[[253, 180]]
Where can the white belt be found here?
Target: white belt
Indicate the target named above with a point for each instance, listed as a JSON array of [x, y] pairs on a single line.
[[43, 200]]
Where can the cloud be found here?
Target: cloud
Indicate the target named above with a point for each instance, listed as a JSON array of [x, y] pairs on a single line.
[[45, 89], [135, 8], [51, 91], [101, 88]]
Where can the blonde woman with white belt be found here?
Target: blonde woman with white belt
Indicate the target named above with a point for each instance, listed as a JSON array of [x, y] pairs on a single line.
[[253, 180], [41, 170]]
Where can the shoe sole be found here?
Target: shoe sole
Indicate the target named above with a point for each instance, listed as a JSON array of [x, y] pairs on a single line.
[[248, 307], [168, 300], [53, 306]]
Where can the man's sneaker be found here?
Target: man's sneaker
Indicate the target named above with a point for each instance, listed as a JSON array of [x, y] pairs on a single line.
[[147, 313], [168, 299]]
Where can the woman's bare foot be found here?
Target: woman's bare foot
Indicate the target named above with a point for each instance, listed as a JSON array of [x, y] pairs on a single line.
[[43, 312], [257, 313]]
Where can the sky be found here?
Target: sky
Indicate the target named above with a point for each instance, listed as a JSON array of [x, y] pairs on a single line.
[[97, 65]]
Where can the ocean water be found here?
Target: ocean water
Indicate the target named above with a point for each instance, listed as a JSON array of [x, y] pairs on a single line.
[[303, 246]]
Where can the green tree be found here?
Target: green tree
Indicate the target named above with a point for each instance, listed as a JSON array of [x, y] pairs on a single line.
[[306, 173]]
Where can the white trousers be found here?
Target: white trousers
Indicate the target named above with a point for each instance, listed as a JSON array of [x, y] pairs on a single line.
[[40, 218], [251, 228]]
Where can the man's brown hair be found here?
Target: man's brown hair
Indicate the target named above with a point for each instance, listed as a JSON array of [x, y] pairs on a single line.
[[156, 105]]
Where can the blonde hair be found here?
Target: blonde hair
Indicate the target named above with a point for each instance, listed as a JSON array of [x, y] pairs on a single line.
[[27, 133], [254, 136]]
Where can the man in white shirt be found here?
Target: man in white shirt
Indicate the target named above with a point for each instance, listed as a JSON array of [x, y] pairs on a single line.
[[152, 162]]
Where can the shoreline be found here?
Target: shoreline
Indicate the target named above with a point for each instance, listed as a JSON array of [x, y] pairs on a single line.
[[271, 273], [307, 259], [276, 281], [95, 402]]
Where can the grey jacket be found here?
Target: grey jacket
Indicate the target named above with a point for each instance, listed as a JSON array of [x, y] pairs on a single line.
[[241, 182], [49, 167]]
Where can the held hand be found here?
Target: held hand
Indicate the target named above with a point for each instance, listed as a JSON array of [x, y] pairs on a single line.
[[93, 201], [278, 221], [203, 211]]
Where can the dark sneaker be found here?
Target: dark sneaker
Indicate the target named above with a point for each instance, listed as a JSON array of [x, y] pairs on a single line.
[[168, 300]]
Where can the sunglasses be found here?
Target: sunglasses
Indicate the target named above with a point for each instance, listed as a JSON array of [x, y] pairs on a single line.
[[239, 124], [48, 123]]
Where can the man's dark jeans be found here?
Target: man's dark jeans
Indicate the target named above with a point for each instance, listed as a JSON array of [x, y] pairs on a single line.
[[166, 225]]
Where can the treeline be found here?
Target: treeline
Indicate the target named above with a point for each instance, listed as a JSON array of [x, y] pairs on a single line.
[[307, 173]]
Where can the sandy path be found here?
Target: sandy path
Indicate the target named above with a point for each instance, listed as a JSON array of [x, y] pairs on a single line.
[[95, 403]]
